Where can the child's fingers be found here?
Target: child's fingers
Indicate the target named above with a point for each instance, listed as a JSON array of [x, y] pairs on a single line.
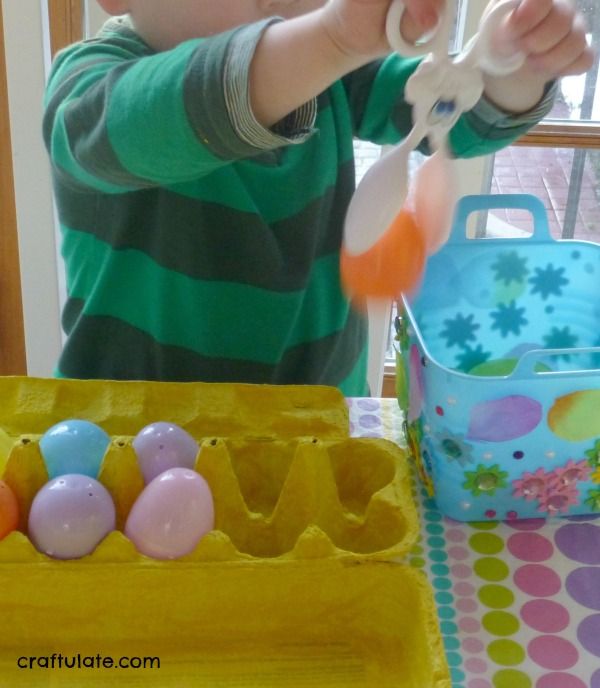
[[581, 65], [571, 55], [420, 16], [555, 27], [528, 15], [424, 13]]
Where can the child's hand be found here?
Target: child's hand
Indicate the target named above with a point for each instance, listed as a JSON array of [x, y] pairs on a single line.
[[552, 35], [358, 26]]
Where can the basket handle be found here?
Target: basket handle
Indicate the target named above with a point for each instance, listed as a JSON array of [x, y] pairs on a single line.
[[525, 368], [474, 203]]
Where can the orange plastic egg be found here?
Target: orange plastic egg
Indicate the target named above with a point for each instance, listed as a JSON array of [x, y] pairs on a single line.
[[9, 510], [392, 266]]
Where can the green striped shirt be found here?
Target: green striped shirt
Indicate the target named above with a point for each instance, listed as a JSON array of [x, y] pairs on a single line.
[[199, 245]]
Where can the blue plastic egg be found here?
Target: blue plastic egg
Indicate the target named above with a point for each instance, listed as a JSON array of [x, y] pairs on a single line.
[[74, 446]]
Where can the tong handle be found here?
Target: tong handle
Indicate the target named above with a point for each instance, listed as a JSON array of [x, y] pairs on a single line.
[[436, 41]]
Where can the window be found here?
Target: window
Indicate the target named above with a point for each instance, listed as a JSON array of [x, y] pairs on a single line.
[[558, 161]]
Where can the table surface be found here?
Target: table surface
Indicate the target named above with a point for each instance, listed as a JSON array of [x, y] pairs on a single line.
[[518, 602]]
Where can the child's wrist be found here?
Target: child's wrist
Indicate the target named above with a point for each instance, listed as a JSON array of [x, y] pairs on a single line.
[[517, 92]]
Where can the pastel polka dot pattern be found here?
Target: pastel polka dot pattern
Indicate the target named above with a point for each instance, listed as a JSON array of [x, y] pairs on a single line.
[[537, 580], [486, 543], [545, 616], [506, 652], [561, 680], [511, 678], [552, 652], [491, 569], [501, 623], [496, 596], [530, 547], [583, 585], [518, 601]]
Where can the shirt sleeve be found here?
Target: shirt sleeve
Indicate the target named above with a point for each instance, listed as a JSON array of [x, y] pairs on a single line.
[[294, 128], [382, 115], [119, 116], [492, 124]]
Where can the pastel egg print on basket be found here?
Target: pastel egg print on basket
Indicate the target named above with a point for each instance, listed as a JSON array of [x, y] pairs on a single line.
[[498, 370]]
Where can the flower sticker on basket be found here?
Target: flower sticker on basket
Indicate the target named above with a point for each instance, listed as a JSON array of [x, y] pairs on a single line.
[[593, 455], [454, 447], [574, 417], [593, 500], [531, 486], [504, 419], [485, 480], [555, 491], [459, 330], [419, 453], [548, 281], [510, 267], [558, 502], [508, 318], [472, 358], [561, 338], [570, 474]]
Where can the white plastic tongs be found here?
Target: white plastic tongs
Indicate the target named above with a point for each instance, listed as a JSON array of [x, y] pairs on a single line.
[[440, 90]]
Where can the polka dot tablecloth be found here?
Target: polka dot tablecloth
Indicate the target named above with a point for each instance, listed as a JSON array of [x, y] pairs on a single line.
[[518, 602]]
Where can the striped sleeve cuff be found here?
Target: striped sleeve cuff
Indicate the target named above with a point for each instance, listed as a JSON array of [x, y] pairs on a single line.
[[497, 123], [294, 128]]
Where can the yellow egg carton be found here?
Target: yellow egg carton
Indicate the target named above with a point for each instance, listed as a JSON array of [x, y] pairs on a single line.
[[294, 587]]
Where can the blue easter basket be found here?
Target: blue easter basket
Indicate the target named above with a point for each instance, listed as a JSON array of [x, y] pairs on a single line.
[[499, 371]]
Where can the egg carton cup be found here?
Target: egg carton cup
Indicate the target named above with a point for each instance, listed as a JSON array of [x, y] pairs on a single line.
[[300, 580], [300, 498]]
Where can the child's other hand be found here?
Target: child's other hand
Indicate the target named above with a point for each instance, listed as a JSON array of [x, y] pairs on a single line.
[[552, 34]]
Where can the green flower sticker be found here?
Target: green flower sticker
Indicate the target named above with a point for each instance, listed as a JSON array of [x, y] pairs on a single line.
[[485, 480]]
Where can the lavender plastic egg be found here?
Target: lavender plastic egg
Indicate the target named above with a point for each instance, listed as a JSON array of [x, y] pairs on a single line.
[[74, 446], [70, 516], [160, 446], [171, 514]]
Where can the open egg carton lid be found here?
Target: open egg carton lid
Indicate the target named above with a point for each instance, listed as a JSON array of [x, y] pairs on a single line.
[[29, 405]]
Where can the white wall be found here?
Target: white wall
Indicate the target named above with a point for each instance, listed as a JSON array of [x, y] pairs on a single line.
[[25, 49], [94, 17]]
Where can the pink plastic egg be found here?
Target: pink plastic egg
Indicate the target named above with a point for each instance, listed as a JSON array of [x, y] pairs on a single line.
[[70, 516], [162, 445], [171, 514]]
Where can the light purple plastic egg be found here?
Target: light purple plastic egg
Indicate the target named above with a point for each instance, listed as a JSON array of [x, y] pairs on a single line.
[[70, 516], [171, 514], [160, 446]]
